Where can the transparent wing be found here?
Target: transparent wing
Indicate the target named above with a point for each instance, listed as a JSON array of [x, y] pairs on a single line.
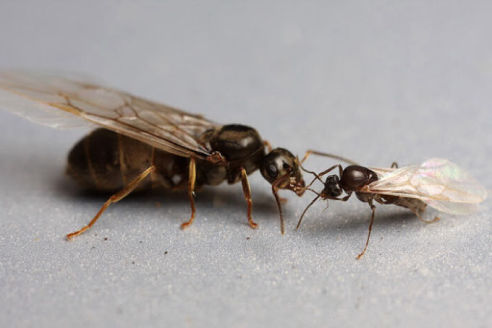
[[438, 182], [452, 208], [61, 102]]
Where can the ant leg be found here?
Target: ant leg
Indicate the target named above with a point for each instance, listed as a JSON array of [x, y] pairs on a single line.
[[418, 207], [275, 188], [344, 199], [373, 208], [283, 200], [435, 219], [247, 196], [268, 145], [113, 199], [315, 152], [383, 201], [191, 192], [216, 158], [394, 165]]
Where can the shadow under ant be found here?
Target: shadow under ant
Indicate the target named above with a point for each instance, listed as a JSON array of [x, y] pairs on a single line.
[[354, 221]]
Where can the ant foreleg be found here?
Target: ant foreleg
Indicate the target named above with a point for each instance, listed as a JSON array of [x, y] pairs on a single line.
[[344, 199], [275, 188]]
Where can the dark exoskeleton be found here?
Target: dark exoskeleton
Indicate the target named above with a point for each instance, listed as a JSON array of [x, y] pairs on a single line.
[[108, 161], [354, 179]]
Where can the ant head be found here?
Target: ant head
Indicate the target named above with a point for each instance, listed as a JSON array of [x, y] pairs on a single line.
[[332, 187], [281, 168]]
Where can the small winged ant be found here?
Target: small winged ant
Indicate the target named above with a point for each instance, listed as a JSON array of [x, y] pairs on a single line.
[[437, 182]]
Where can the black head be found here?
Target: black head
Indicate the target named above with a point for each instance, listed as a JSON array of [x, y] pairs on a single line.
[[332, 187], [281, 168]]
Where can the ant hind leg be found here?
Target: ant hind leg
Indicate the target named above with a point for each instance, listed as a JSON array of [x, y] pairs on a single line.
[[191, 192], [113, 199], [419, 215], [373, 208], [418, 207]]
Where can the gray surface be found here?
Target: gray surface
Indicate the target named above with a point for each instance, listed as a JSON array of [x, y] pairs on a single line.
[[373, 81]]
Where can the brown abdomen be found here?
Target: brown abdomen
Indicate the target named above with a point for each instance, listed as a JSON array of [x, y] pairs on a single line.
[[107, 161]]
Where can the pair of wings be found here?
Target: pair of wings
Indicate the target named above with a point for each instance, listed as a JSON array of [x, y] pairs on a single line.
[[438, 182], [63, 102]]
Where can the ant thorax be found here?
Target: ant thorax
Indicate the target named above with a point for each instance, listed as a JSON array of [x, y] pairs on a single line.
[[354, 177], [240, 145]]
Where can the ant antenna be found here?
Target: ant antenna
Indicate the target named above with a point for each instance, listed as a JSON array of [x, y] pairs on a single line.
[[305, 210], [319, 153], [313, 191], [316, 176]]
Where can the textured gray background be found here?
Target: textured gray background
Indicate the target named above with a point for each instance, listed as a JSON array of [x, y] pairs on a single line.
[[376, 81]]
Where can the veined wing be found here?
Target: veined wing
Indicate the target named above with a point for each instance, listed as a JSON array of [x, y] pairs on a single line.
[[438, 182], [61, 102]]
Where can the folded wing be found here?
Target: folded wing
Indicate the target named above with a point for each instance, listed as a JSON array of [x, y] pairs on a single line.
[[438, 182], [61, 102]]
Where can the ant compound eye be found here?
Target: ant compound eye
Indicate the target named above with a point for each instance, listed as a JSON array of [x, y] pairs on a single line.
[[272, 170]]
